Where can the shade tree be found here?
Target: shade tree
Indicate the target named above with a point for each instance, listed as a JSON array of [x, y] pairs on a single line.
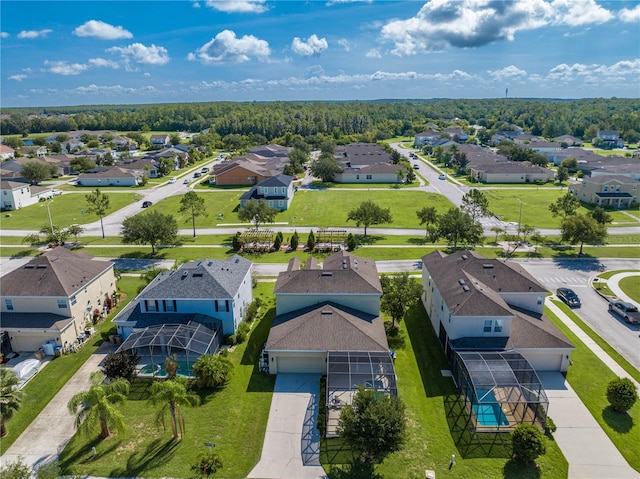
[[369, 213]]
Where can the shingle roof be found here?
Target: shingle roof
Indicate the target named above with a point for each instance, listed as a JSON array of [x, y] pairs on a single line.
[[39, 321], [327, 327], [342, 272], [602, 179], [212, 279], [278, 180], [56, 273]]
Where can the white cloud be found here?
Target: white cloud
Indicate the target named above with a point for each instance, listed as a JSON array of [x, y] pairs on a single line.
[[139, 53], [195, 4], [373, 53], [238, 6], [225, 47], [630, 15], [510, 72], [18, 77], [442, 24], [65, 68], [4, 35], [103, 62], [34, 33], [344, 43], [334, 2], [312, 46], [101, 30]]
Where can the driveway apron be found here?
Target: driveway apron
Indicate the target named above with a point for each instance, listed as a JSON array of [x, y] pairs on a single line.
[[291, 448]]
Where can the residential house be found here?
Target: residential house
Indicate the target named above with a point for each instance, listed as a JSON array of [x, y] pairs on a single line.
[[568, 140], [109, 176], [212, 293], [374, 173], [479, 156], [427, 137], [53, 298], [16, 195], [248, 170], [543, 146], [359, 155], [483, 304], [611, 138], [515, 172], [456, 134], [141, 166], [6, 152], [630, 170], [270, 151], [159, 141], [176, 154], [277, 191], [615, 191]]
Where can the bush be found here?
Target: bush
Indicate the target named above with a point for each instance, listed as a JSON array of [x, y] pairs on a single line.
[[229, 339], [212, 371], [351, 242], [277, 242], [208, 463], [295, 240], [242, 332], [121, 365], [15, 470], [252, 310], [550, 427], [237, 243], [622, 394], [528, 443]]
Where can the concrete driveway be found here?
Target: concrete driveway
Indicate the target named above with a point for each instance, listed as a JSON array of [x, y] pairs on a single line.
[[291, 448], [588, 450]]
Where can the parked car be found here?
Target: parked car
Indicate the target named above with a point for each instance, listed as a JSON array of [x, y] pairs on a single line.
[[56, 192], [172, 180], [569, 297], [627, 311], [416, 166], [197, 174], [442, 177], [204, 169], [146, 204]]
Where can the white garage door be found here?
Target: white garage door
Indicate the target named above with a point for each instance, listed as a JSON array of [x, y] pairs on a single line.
[[547, 362], [292, 364]]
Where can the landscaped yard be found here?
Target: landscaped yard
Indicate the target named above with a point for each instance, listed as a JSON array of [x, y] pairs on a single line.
[[631, 286], [233, 417], [589, 377], [46, 384], [65, 210], [434, 433]]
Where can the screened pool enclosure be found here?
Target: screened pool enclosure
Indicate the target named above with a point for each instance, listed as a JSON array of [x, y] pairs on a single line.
[[499, 390]]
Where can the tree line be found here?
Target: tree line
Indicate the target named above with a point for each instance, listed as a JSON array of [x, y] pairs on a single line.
[[282, 122]]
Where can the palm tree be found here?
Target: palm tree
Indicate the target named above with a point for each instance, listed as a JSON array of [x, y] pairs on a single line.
[[10, 397], [96, 406], [211, 370], [171, 395]]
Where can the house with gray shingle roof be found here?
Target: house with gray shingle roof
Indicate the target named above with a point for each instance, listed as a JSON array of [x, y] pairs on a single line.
[[277, 191], [209, 292], [336, 308], [375, 173], [53, 298], [483, 304]]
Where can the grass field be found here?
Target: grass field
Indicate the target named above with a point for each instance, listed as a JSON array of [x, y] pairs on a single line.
[[65, 210], [233, 417], [631, 286]]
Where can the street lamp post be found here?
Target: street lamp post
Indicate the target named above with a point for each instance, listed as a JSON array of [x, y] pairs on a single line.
[[49, 212], [519, 217]]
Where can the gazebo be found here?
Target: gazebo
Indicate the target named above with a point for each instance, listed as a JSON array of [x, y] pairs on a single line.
[[499, 390]]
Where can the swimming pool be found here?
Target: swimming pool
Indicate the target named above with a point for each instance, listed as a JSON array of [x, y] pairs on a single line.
[[185, 369], [488, 413]]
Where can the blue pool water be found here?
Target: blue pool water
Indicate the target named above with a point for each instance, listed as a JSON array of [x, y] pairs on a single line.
[[184, 369], [488, 412]]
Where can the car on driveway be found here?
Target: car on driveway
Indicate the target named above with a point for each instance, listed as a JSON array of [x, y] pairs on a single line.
[[627, 311], [146, 204], [569, 297]]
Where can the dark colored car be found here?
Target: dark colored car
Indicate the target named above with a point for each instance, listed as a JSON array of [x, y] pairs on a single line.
[[569, 297], [146, 204], [627, 311]]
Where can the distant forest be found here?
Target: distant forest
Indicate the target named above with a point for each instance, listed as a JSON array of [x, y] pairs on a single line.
[[281, 122]]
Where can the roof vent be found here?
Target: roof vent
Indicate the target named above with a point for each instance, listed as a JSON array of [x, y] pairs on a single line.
[[461, 281], [237, 260], [185, 274], [464, 256], [326, 312], [197, 275], [487, 266], [41, 266], [327, 273], [210, 263], [29, 266]]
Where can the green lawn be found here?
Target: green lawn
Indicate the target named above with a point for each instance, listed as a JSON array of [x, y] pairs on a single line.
[[631, 286], [233, 417], [46, 384], [589, 377], [435, 427], [65, 210], [224, 202]]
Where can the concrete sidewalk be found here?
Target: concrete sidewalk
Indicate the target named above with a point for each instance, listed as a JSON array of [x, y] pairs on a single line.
[[49, 433], [613, 285]]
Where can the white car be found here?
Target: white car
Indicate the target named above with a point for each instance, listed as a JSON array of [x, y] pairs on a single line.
[[56, 192], [172, 180], [442, 177]]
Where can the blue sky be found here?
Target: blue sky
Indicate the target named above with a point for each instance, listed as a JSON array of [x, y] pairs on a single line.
[[90, 52]]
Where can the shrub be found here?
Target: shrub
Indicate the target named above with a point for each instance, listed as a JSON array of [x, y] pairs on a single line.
[[351, 242], [252, 310], [528, 443], [242, 332], [208, 463], [550, 427], [622, 394], [237, 242], [212, 371], [277, 242], [121, 365], [311, 240], [15, 470], [295, 240], [229, 339]]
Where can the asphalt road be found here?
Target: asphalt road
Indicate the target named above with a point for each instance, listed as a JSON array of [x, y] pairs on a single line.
[[576, 274]]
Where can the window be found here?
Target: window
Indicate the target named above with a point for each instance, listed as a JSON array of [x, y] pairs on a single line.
[[170, 305], [151, 305], [487, 325], [540, 299], [617, 187], [357, 177], [270, 203], [284, 190], [73, 300], [497, 327], [606, 188], [275, 190], [62, 304], [369, 177], [9, 304], [222, 305], [280, 202]]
